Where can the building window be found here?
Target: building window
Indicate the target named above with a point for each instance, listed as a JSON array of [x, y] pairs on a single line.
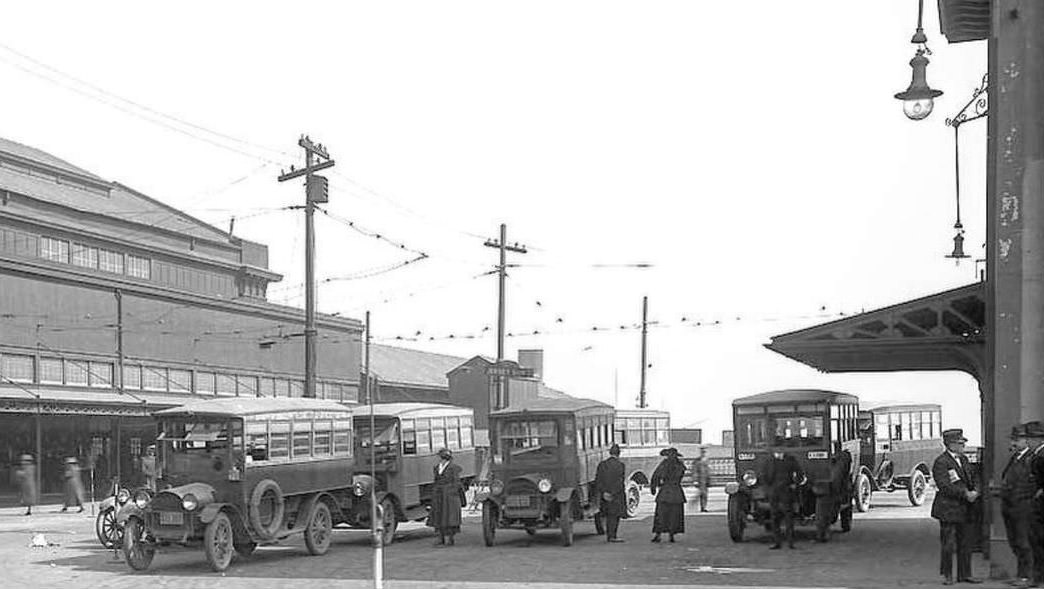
[[17, 368], [55, 250], [101, 374], [76, 373], [139, 267], [282, 388], [205, 383], [296, 388], [246, 386], [131, 377], [226, 384], [110, 261], [153, 378], [84, 256], [180, 380], [51, 371], [267, 387]]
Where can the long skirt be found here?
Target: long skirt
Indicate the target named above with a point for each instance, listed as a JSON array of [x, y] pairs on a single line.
[[669, 518], [445, 510]]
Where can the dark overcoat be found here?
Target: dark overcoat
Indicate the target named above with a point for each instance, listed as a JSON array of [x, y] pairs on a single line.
[[952, 481], [1018, 485], [445, 498], [609, 478], [782, 476], [667, 478]]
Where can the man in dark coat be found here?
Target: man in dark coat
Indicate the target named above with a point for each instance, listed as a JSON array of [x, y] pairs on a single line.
[[609, 485], [783, 475], [953, 500], [1016, 494], [670, 501], [1034, 432]]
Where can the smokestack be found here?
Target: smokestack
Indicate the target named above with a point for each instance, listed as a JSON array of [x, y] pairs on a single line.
[[533, 359]]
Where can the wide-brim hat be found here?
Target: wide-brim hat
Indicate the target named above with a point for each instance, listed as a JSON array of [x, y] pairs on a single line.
[[1033, 429], [614, 449], [953, 435], [444, 453], [670, 452]]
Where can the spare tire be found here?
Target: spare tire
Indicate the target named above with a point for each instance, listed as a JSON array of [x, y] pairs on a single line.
[[266, 492]]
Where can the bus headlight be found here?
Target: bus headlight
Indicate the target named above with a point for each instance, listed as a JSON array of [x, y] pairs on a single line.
[[142, 498], [122, 496], [544, 485], [189, 502], [496, 487], [750, 478], [359, 489]]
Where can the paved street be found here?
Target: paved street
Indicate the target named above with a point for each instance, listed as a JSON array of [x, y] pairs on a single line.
[[892, 545]]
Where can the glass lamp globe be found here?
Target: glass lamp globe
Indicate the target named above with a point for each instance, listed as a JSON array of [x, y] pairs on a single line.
[[918, 108]]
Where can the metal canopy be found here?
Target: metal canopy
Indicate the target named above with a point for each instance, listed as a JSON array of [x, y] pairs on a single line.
[[944, 331]]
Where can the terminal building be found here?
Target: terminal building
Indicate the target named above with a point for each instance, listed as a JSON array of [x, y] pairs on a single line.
[[114, 305]]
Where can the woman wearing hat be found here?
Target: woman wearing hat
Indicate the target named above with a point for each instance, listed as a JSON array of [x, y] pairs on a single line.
[[73, 485], [25, 477], [670, 501], [447, 498]]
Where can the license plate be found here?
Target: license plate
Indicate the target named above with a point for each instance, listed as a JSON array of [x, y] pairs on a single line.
[[171, 518], [818, 455], [518, 501]]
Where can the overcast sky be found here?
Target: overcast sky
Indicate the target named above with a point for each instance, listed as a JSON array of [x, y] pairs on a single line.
[[751, 152]]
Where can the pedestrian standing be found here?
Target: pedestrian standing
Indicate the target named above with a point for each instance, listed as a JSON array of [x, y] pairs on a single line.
[[670, 500], [1034, 431], [73, 485], [784, 474], [447, 498], [701, 478], [609, 487], [1016, 494], [25, 477], [954, 497], [149, 469]]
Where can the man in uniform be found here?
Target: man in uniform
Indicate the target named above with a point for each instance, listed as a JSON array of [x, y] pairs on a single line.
[[1016, 494], [701, 478], [609, 485], [953, 499], [782, 478], [1034, 432]]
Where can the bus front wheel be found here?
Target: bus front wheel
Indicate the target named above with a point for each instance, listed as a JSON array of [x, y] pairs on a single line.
[[737, 518]]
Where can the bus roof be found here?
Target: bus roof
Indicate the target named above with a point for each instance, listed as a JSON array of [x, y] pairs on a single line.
[[795, 396], [409, 410], [905, 407], [642, 413], [242, 406], [549, 405]]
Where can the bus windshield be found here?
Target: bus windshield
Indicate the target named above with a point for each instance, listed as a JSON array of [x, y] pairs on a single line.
[[523, 436], [386, 436], [779, 430], [194, 436]]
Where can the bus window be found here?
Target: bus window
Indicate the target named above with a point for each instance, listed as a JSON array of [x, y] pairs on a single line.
[[323, 441], [423, 436], [453, 433], [409, 437], [342, 438], [279, 439], [257, 441], [302, 439], [466, 437], [438, 433]]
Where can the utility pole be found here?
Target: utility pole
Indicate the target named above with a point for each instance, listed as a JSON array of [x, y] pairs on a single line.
[[645, 317], [376, 511], [502, 271], [316, 191]]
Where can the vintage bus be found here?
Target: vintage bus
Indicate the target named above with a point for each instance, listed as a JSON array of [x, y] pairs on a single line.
[[818, 428], [239, 472], [404, 441], [641, 434], [545, 455], [897, 446]]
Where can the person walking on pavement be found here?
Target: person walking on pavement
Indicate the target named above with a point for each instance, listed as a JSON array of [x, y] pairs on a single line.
[[784, 474], [74, 492], [447, 498], [670, 501], [1034, 432], [609, 486], [25, 478], [1016, 495], [701, 478], [149, 468], [952, 505]]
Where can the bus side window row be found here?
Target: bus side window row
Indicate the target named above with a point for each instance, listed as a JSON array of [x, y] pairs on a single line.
[[280, 440], [426, 436]]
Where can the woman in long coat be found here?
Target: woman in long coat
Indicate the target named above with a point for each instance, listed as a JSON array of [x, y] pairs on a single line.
[[446, 499], [74, 492], [25, 477], [670, 501]]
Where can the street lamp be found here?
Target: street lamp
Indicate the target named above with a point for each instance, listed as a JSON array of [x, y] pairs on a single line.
[[919, 98]]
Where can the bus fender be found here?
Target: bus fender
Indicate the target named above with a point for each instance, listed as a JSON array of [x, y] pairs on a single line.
[[564, 494], [127, 511], [210, 512]]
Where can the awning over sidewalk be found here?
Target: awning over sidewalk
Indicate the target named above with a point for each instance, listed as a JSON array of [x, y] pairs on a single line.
[[943, 331], [61, 401]]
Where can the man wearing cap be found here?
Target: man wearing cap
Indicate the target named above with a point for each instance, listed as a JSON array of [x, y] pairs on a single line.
[[1016, 494], [609, 485], [953, 499], [1034, 432]]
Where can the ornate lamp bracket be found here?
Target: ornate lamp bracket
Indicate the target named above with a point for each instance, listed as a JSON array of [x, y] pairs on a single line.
[[976, 108]]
